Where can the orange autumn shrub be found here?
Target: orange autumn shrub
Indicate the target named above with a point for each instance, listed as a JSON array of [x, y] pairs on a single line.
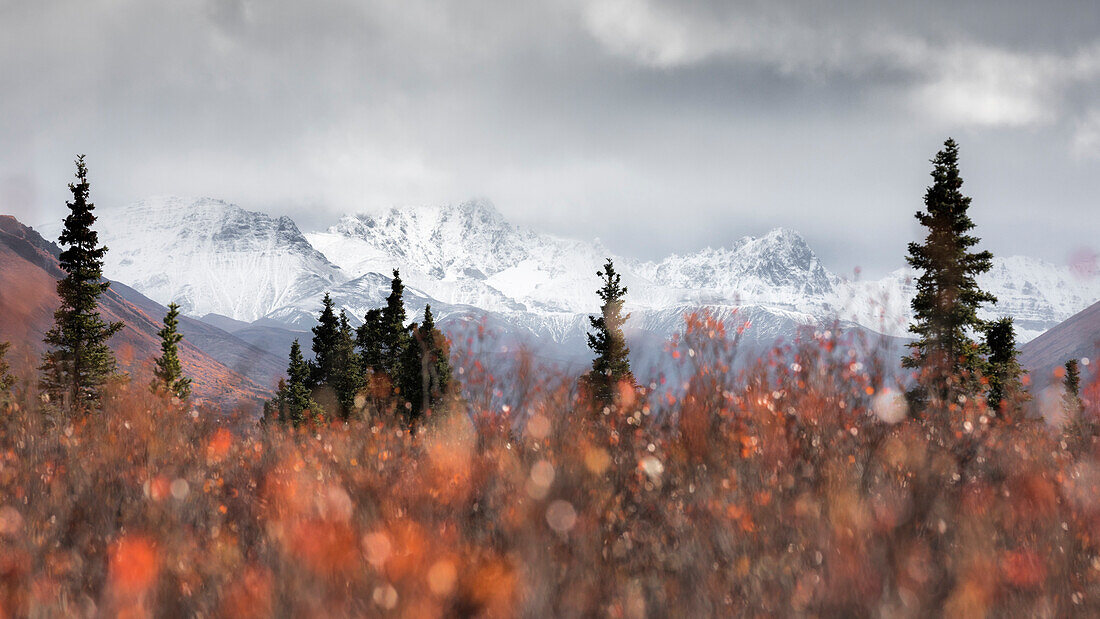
[[799, 486]]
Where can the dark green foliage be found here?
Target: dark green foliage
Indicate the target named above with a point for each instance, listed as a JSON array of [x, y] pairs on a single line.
[[169, 374], [1002, 369], [426, 367], [336, 365], [394, 336], [78, 361], [438, 355], [947, 298], [369, 341], [347, 374], [612, 364], [7, 381], [411, 377], [293, 402], [326, 336]]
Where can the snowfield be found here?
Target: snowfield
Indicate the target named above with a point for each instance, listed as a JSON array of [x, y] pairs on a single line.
[[466, 260]]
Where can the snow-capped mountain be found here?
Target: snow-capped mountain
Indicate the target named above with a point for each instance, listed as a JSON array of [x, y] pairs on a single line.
[[212, 257], [779, 267], [1036, 294], [467, 254], [466, 260]]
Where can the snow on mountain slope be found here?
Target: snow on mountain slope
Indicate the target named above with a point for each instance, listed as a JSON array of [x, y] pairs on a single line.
[[467, 254], [212, 257], [778, 267], [1036, 294], [466, 259]]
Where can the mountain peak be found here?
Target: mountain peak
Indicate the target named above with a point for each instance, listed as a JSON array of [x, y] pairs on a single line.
[[212, 256]]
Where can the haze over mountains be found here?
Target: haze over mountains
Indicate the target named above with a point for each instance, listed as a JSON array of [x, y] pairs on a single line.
[[261, 279], [213, 257]]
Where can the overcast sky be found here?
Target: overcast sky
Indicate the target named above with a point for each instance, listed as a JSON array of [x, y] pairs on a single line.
[[656, 125]]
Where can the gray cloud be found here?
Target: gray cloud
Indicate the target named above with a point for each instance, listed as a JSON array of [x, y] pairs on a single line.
[[658, 126]]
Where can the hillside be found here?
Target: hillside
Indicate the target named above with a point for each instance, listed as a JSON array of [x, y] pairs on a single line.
[[28, 275], [1076, 338]]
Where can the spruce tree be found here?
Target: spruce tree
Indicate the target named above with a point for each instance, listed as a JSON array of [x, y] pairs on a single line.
[[369, 340], [1002, 369], [394, 336], [947, 297], [411, 377], [347, 375], [326, 336], [168, 373], [293, 402], [438, 355], [78, 361], [612, 364], [425, 368]]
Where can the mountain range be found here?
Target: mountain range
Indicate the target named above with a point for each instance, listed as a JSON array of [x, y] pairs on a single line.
[[262, 279]]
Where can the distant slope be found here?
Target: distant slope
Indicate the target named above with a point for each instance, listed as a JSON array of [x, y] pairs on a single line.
[[28, 275], [265, 279], [1076, 338], [229, 349], [211, 256]]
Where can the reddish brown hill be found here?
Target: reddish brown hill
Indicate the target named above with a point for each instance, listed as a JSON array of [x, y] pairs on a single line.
[[28, 298], [1076, 338]]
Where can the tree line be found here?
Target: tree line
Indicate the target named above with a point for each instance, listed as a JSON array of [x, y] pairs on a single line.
[[384, 363], [387, 363]]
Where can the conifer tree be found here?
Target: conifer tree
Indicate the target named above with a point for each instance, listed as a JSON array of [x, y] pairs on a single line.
[[411, 377], [369, 340], [78, 361], [326, 337], [947, 297], [293, 402], [347, 376], [394, 335], [1002, 369], [426, 367], [168, 373], [612, 364], [438, 355]]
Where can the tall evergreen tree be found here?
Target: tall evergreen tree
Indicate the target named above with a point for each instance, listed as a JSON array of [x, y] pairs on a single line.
[[168, 373], [948, 297], [438, 355], [411, 376], [1002, 369], [326, 338], [293, 402], [394, 335], [347, 375], [612, 364], [369, 340], [78, 361], [426, 367]]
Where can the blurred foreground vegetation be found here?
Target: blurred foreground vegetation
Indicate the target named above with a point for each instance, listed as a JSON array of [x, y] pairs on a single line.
[[804, 486]]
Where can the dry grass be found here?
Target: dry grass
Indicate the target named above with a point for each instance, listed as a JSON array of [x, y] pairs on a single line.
[[786, 491]]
